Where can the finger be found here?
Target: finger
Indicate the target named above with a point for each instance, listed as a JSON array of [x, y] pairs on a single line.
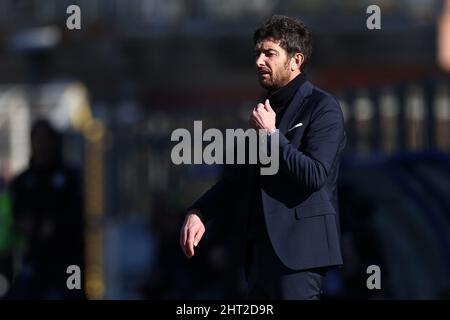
[[198, 237], [184, 251], [185, 230], [256, 123], [190, 243], [259, 113], [184, 245], [257, 120], [258, 106], [262, 112], [267, 105], [255, 116]]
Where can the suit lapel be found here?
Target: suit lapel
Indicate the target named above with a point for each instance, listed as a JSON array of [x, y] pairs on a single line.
[[286, 123], [295, 106]]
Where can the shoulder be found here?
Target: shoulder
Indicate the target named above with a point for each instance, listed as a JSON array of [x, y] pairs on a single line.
[[323, 102], [322, 97]]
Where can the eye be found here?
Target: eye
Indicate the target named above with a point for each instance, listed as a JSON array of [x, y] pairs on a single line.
[[270, 53]]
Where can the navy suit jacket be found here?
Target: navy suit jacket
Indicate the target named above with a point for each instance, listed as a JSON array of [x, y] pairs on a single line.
[[299, 202]]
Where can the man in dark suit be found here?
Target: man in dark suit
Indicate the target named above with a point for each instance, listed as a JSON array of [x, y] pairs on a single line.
[[292, 234]]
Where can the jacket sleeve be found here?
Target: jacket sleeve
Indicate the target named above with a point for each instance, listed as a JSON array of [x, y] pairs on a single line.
[[218, 198], [324, 139]]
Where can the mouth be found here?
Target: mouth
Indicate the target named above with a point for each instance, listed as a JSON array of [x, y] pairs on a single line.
[[264, 74]]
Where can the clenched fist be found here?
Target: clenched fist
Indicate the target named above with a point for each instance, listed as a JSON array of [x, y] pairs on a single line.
[[263, 117]]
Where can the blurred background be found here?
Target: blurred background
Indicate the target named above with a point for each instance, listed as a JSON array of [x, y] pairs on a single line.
[[86, 117]]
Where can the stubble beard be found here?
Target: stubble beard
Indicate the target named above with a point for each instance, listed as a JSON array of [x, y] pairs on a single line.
[[277, 80]]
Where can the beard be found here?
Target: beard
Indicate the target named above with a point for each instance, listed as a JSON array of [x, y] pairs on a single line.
[[275, 79]]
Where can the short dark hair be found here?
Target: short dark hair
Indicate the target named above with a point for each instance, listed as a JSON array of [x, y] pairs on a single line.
[[292, 34]]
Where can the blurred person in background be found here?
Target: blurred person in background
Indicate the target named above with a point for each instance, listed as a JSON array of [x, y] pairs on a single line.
[[48, 218], [290, 219]]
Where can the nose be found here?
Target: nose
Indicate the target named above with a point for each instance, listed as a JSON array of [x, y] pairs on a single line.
[[259, 60]]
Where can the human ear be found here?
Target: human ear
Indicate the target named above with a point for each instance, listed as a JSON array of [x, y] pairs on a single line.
[[298, 61]]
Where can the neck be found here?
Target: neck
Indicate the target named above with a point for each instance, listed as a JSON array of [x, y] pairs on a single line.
[[281, 98], [294, 75]]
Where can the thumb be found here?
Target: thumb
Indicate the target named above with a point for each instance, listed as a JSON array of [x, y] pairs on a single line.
[[267, 105]]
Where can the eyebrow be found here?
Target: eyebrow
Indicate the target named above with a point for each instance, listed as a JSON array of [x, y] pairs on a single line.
[[266, 50]]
